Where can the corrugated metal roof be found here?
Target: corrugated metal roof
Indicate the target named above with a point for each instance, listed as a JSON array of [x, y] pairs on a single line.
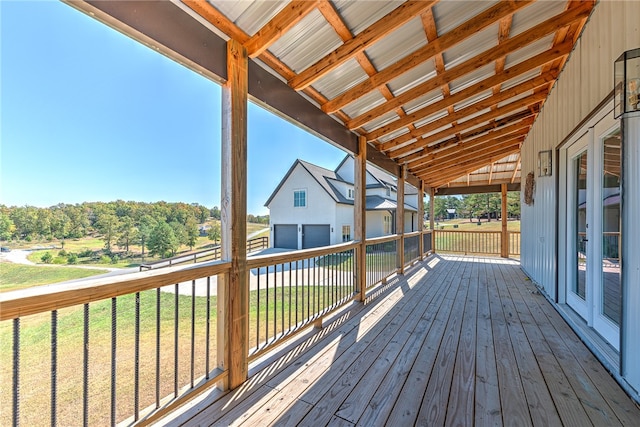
[[534, 14], [365, 103], [481, 42], [400, 43], [413, 77], [529, 51], [341, 79], [472, 78], [449, 14], [424, 100], [250, 16], [358, 15]]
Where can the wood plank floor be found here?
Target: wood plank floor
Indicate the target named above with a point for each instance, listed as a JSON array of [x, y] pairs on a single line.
[[455, 341]]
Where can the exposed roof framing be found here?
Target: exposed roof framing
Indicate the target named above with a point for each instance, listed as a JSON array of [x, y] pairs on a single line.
[[448, 88]]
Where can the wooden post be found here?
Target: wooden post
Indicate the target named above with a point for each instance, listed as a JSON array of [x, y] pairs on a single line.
[[400, 219], [432, 196], [421, 218], [233, 293], [504, 235], [360, 216]]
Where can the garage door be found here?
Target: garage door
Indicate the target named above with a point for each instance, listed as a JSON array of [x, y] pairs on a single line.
[[285, 236], [314, 236]]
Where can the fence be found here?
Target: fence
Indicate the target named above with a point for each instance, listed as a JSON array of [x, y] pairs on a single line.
[[212, 254]]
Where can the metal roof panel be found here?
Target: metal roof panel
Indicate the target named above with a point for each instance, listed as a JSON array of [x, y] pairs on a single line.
[[534, 14], [449, 14], [397, 45]]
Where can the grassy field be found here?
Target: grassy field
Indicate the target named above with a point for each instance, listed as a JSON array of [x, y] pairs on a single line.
[[18, 276], [466, 225], [36, 349]]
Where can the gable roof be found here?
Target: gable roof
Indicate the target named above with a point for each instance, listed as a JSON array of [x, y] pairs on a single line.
[[321, 175], [324, 177]]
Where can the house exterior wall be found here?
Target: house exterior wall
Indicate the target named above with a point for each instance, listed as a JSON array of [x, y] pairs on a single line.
[[344, 216], [320, 209], [585, 82], [375, 223]]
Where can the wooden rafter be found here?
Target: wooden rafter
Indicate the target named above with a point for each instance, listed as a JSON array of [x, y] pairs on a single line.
[[289, 16], [515, 169], [529, 102], [425, 53], [494, 100], [510, 73], [393, 20]]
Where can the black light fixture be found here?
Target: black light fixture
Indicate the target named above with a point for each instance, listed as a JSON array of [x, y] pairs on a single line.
[[626, 71]]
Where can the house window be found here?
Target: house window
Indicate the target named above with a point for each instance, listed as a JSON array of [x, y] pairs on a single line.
[[387, 224], [388, 192], [300, 198], [350, 193], [346, 233]]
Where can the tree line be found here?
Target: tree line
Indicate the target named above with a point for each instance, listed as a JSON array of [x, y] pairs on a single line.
[[488, 205], [160, 227]]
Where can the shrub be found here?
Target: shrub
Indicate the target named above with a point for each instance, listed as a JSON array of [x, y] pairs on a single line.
[[47, 258], [72, 259], [104, 259], [114, 259], [85, 253], [60, 260], [62, 253]]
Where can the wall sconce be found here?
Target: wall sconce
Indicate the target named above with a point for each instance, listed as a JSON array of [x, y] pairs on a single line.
[[332, 229], [299, 229], [626, 71], [544, 163]]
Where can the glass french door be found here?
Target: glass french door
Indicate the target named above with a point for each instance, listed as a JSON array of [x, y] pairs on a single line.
[[593, 166], [578, 199]]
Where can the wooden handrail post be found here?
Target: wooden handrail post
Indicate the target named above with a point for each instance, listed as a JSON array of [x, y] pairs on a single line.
[[421, 219], [400, 219], [233, 293], [360, 216], [504, 236]]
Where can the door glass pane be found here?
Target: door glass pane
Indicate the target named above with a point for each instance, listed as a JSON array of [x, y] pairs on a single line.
[[611, 284], [579, 285]]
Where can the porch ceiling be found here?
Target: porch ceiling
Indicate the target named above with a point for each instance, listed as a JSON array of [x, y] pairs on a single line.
[[448, 88]]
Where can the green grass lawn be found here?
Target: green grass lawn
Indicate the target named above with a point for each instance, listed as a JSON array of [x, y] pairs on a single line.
[[18, 276], [466, 225]]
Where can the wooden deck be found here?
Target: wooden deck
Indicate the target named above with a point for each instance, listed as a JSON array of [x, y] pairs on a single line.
[[456, 341]]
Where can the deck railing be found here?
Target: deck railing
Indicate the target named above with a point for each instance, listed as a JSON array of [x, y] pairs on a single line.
[[131, 348], [110, 349], [476, 242], [291, 290]]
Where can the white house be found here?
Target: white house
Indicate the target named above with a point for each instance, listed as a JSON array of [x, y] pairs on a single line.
[[313, 206]]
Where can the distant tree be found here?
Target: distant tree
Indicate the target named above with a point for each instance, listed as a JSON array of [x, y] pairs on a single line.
[[203, 213], [72, 259], [144, 229], [215, 213], [513, 204], [107, 224], [6, 227], [162, 241], [180, 232], [126, 232], [214, 233], [47, 258], [192, 233]]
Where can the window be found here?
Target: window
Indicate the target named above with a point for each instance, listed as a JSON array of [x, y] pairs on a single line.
[[300, 198], [350, 193], [388, 191], [346, 233], [387, 224]]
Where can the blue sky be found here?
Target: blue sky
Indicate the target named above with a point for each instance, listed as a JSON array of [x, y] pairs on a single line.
[[88, 114]]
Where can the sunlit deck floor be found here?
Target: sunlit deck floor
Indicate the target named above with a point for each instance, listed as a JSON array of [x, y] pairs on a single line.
[[456, 341]]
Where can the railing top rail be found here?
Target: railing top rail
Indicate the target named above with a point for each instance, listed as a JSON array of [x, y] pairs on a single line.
[[412, 234], [382, 239], [297, 255], [470, 231], [40, 299]]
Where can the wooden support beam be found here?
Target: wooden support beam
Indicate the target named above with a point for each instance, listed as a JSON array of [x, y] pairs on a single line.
[[504, 235], [289, 16], [360, 216], [421, 218], [432, 196], [400, 218], [515, 170], [235, 290], [393, 20], [427, 52]]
